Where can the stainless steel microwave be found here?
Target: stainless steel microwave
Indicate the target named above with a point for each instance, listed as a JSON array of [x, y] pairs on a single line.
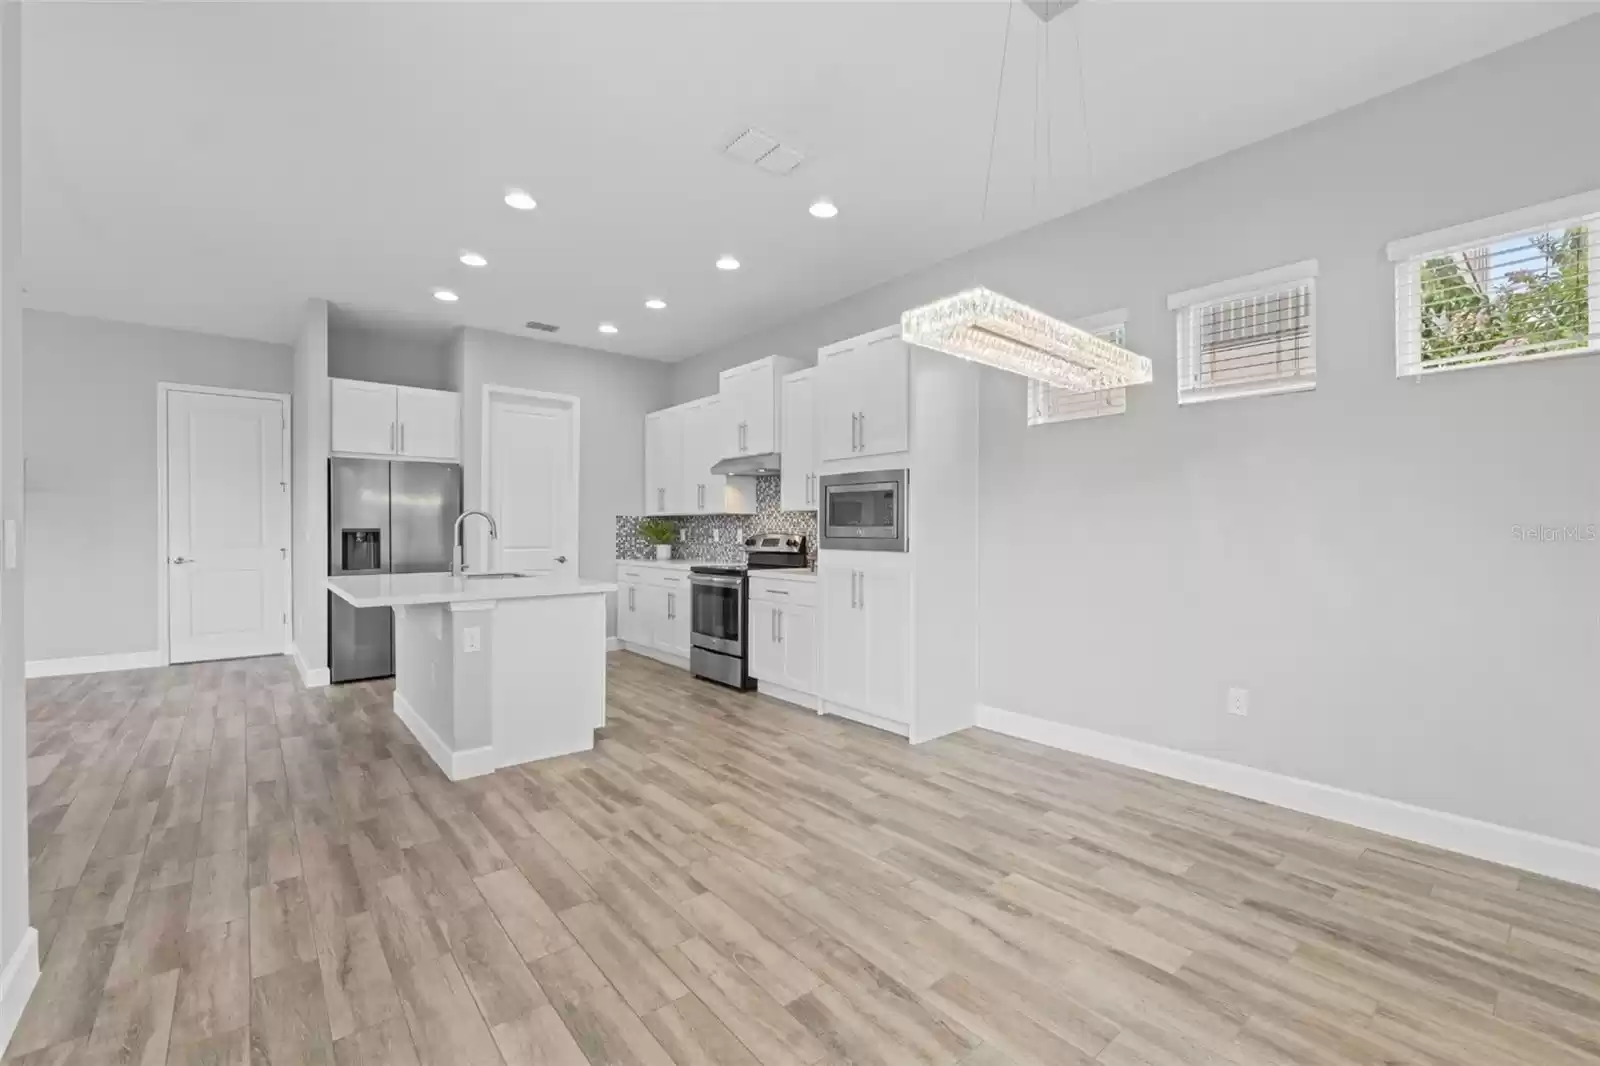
[[864, 511]]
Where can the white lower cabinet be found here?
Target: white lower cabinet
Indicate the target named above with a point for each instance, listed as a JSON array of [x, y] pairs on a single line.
[[865, 604], [653, 609], [782, 639]]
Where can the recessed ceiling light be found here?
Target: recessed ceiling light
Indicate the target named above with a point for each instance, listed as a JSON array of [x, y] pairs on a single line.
[[823, 209], [727, 262], [473, 259], [606, 327], [446, 295], [655, 305], [520, 200]]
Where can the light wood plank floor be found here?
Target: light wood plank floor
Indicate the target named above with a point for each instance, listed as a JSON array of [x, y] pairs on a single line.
[[229, 869]]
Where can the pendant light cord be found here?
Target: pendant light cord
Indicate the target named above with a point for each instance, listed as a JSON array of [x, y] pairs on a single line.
[[994, 129]]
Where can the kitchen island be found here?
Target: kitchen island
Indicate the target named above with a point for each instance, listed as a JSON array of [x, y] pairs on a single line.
[[493, 670]]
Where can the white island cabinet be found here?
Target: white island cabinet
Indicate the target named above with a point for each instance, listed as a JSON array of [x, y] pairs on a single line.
[[490, 670]]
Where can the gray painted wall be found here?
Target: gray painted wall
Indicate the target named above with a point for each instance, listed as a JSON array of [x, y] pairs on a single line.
[[91, 444], [394, 355], [13, 701], [614, 394], [310, 488], [1345, 554]]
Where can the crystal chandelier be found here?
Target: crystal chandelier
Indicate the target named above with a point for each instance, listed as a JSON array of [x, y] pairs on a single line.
[[996, 331], [991, 329]]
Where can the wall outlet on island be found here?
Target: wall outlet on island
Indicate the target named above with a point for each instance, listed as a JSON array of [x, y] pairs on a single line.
[[1239, 701], [716, 535]]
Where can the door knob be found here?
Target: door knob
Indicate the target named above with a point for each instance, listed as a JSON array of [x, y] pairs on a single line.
[[561, 558], [180, 559]]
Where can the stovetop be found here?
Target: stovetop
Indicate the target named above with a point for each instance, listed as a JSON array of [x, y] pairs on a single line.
[[765, 551]]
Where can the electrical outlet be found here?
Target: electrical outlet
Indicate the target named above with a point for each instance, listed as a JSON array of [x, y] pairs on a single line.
[[1239, 702], [471, 638], [716, 535]]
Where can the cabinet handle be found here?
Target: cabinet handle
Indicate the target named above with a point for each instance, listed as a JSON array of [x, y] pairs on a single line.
[[779, 616], [630, 599], [774, 627], [863, 589], [852, 590], [863, 431], [671, 606], [392, 447], [853, 418]]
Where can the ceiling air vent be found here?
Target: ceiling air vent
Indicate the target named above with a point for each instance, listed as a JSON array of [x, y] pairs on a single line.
[[542, 327]]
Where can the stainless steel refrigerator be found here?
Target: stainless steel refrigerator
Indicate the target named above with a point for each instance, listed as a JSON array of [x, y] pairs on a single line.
[[383, 518]]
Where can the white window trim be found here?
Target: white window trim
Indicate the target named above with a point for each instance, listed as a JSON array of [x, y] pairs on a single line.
[[1550, 214], [1261, 282], [1118, 403]]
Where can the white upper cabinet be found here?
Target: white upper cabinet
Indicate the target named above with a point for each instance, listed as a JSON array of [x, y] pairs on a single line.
[[751, 398], [799, 438], [364, 418], [370, 418], [862, 396], [663, 462], [429, 423]]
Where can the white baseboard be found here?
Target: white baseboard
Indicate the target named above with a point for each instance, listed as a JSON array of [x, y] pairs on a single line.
[[613, 644], [17, 981], [653, 653], [1564, 860], [789, 695], [94, 664], [457, 765], [308, 677], [900, 729]]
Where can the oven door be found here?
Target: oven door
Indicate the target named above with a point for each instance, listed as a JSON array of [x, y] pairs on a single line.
[[716, 613], [864, 512]]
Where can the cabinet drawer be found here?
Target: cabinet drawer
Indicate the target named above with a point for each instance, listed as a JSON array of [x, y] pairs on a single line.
[[781, 590]]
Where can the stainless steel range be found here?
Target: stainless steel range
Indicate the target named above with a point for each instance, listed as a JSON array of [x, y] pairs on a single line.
[[720, 607]]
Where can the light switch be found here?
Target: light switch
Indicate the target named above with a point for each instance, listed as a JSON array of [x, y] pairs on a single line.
[[471, 638]]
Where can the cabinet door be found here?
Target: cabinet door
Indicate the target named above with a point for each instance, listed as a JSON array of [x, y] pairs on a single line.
[[766, 654], [758, 408], [696, 426], [797, 634], [883, 382], [714, 434], [844, 645], [885, 602], [631, 624], [734, 391], [653, 609], [672, 632], [363, 417], [430, 423], [655, 496], [799, 439], [836, 407]]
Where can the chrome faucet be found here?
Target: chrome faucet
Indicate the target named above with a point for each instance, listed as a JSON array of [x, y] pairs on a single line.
[[458, 564]]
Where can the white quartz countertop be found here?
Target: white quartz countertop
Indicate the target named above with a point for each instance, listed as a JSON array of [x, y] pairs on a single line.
[[661, 564], [410, 590]]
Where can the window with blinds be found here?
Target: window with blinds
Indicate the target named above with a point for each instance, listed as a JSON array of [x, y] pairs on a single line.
[[1251, 336], [1513, 288], [1050, 403]]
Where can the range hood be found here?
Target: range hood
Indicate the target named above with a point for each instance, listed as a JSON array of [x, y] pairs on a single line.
[[748, 465]]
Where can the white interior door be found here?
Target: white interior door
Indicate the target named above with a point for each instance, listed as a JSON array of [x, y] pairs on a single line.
[[227, 526], [533, 484]]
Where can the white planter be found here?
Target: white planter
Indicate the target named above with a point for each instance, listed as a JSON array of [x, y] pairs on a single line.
[[663, 552]]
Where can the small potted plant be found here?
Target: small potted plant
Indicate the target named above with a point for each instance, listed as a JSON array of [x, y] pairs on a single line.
[[661, 532]]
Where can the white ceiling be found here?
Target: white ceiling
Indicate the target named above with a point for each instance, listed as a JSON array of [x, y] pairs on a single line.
[[210, 166]]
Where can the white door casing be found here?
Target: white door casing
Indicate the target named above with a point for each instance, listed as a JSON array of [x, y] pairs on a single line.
[[226, 525], [531, 481]]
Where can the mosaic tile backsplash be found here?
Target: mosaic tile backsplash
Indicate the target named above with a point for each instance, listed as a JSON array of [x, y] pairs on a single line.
[[696, 531]]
